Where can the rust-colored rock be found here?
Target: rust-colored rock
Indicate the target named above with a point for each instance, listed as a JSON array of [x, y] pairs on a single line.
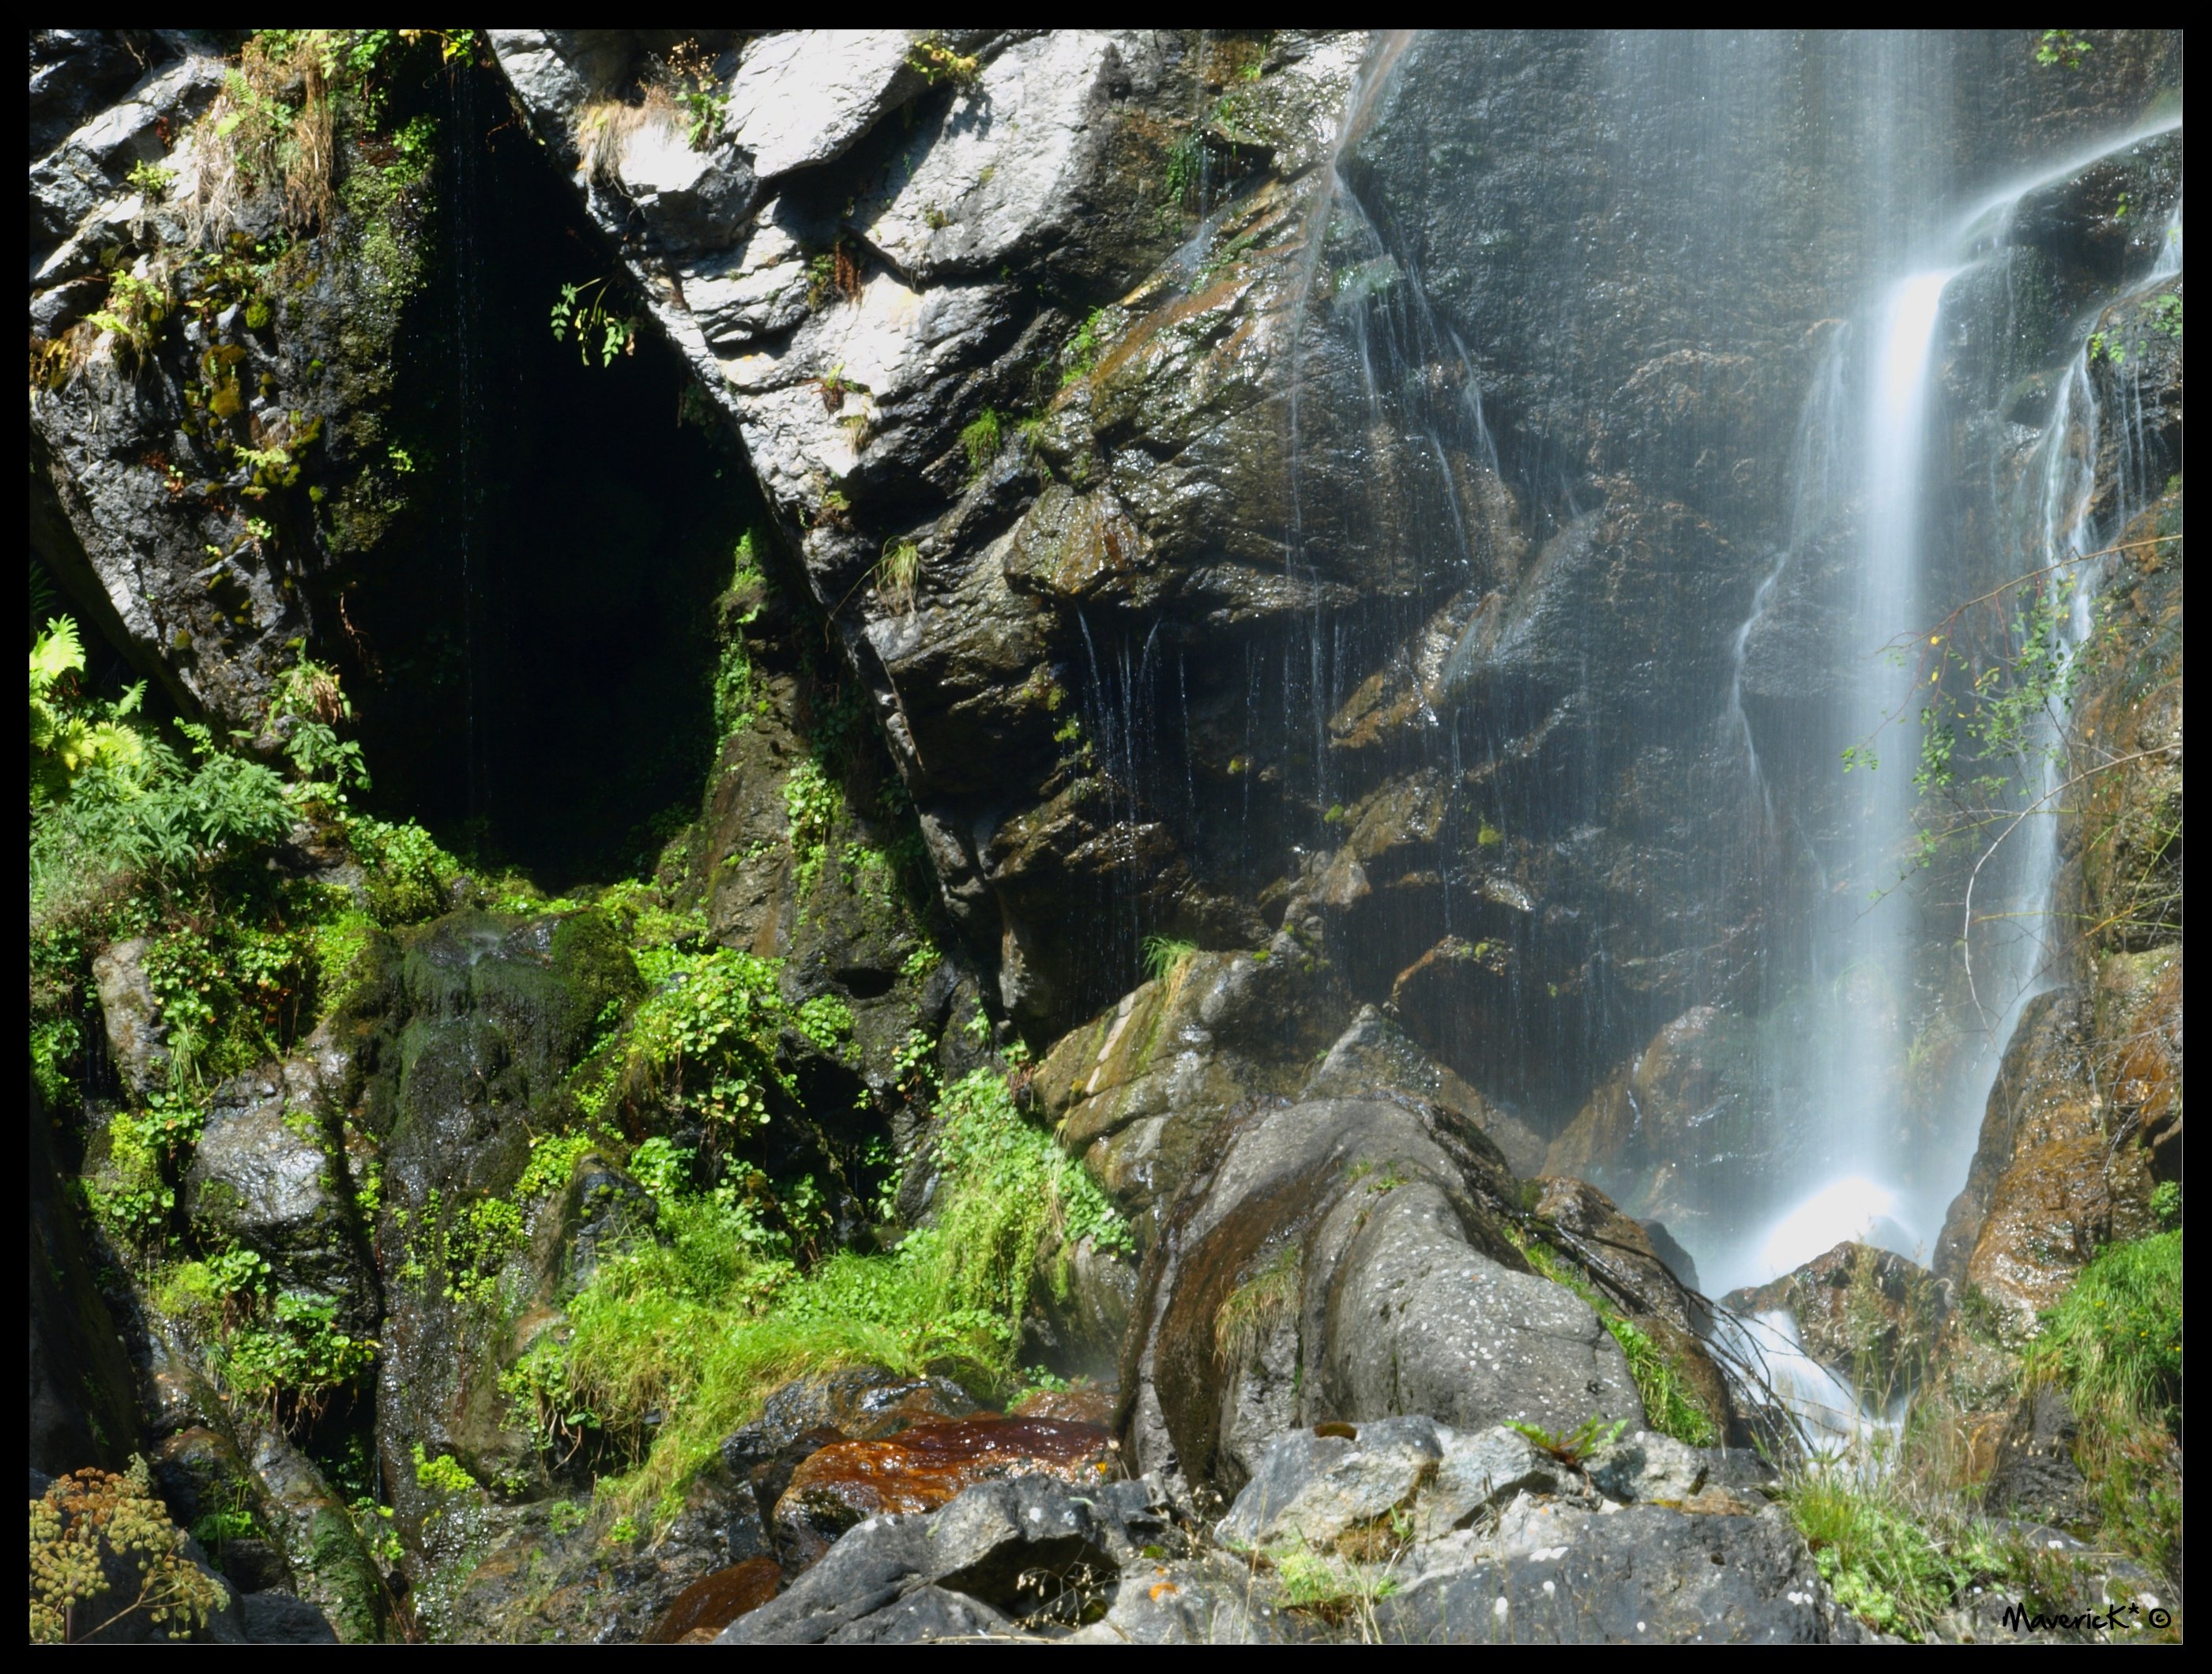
[[921, 1469], [712, 1603], [2137, 1026], [2054, 1177]]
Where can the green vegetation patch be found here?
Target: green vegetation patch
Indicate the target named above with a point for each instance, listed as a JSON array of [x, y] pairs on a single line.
[[696, 1325], [2114, 1343]]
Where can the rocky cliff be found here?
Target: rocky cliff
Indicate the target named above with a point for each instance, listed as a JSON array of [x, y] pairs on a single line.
[[1138, 726]]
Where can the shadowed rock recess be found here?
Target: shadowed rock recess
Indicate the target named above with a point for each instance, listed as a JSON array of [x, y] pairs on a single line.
[[882, 836]]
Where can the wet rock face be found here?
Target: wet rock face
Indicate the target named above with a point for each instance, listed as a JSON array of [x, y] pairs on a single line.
[[2035, 1475], [137, 468], [1868, 1314], [489, 1016], [929, 1465], [856, 279], [267, 1174], [135, 1036], [2047, 1188], [1374, 1054], [1343, 1258]]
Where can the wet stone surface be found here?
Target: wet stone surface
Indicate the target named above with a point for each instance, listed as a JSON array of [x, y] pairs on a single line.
[[927, 1466]]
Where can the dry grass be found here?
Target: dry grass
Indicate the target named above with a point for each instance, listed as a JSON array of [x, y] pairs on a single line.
[[603, 125], [270, 129]]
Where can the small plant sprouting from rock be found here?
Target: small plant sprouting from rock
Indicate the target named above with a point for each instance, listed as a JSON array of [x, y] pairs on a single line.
[[1571, 1447], [937, 63], [896, 573], [1081, 356], [443, 1475], [834, 272], [698, 92], [2062, 49], [980, 438], [1165, 955], [582, 312], [150, 180]]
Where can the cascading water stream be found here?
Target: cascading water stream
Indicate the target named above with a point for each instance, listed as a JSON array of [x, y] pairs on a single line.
[[1810, 932], [1858, 1186]]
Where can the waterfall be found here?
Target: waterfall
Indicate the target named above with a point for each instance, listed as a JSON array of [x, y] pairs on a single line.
[[1829, 215], [1863, 1176]]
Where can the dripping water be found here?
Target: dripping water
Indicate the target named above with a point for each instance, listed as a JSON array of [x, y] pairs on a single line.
[[470, 416]]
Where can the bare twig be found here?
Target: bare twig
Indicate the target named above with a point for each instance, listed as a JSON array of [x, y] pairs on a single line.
[[1966, 930]]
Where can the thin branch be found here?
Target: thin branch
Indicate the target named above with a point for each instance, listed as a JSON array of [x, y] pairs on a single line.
[[1966, 929], [1902, 640]]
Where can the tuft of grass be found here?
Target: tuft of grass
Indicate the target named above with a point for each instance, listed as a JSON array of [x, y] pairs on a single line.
[[896, 573], [2115, 1338], [2114, 1343], [1671, 1406], [1166, 955], [1883, 1563], [1253, 1310], [981, 438], [1338, 1588]]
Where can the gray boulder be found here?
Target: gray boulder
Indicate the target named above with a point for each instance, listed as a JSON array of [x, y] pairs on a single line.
[[1374, 1053], [1425, 1322], [267, 1175], [1361, 1244], [926, 1613], [1032, 1547], [1647, 1466], [1645, 1575], [1314, 1488], [137, 1041], [1480, 1471]]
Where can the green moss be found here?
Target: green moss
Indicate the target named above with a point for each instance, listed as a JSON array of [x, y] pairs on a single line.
[[349, 1589], [343, 960], [443, 1475], [408, 876]]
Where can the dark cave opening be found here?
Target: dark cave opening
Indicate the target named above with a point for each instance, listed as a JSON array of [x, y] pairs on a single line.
[[534, 666]]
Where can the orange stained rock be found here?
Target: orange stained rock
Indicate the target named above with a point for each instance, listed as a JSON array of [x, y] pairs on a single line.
[[709, 1604], [921, 1469]]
